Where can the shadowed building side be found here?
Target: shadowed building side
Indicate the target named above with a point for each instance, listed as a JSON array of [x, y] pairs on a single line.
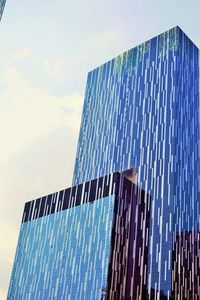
[[186, 266], [127, 278]]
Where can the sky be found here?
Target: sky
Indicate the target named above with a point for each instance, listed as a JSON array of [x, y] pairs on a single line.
[[46, 50]]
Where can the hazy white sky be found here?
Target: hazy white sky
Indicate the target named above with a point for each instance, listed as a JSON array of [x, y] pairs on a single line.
[[46, 50]]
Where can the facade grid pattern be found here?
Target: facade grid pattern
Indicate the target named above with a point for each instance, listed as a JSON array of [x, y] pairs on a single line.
[[141, 111]]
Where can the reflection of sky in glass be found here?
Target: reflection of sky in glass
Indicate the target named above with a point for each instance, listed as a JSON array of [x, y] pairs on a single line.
[[65, 255]]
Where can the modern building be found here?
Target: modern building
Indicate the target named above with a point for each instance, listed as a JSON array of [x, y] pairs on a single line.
[[130, 235], [2, 5], [141, 111], [85, 242]]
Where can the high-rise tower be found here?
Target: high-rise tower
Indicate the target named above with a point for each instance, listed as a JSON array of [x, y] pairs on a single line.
[[141, 111]]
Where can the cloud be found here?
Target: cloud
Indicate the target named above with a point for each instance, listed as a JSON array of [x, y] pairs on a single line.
[[100, 44], [24, 53], [38, 144], [102, 40], [27, 113], [53, 67]]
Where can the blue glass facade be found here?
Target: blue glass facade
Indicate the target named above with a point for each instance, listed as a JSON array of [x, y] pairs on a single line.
[[2, 4], [141, 111], [64, 255]]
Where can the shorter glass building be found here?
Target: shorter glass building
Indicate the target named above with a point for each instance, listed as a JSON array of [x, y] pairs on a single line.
[[85, 242]]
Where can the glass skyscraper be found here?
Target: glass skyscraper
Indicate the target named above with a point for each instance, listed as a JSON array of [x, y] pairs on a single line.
[[131, 234], [2, 4], [141, 110]]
